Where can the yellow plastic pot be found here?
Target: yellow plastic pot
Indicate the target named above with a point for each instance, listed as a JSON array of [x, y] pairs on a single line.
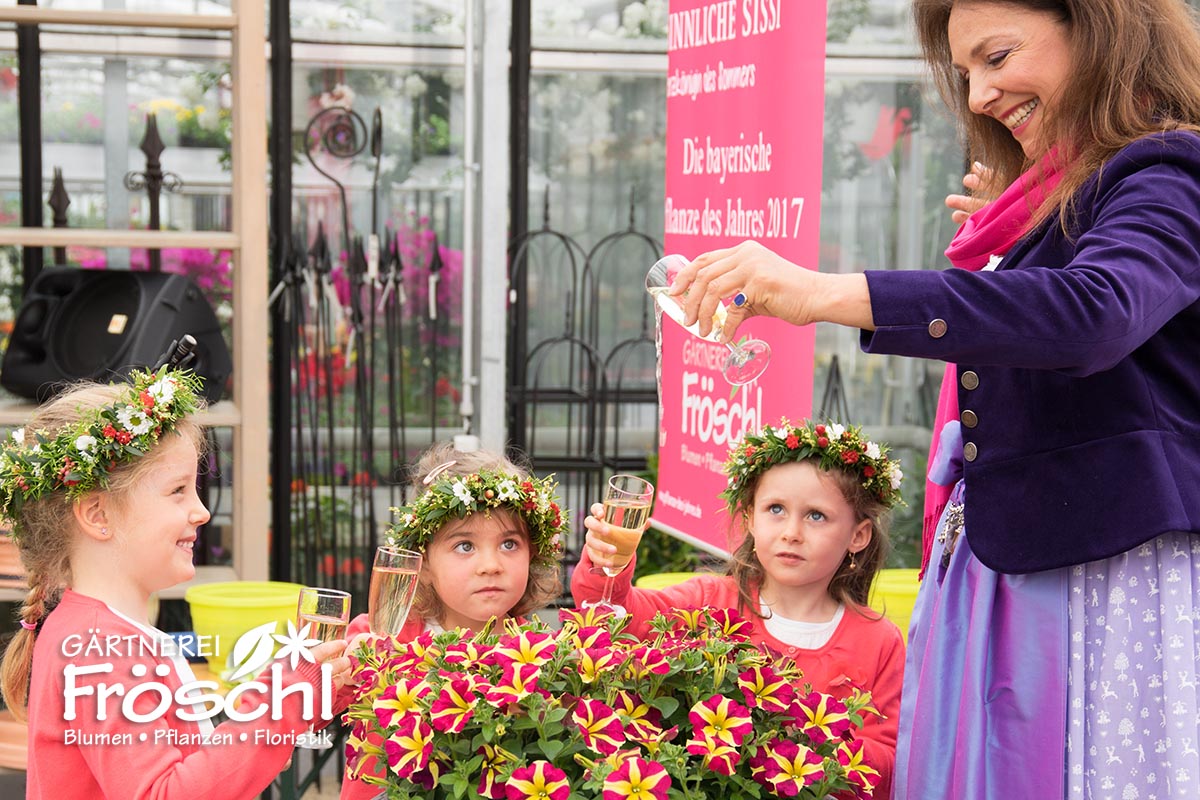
[[228, 610]]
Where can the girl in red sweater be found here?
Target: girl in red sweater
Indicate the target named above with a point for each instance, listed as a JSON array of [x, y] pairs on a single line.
[[811, 500], [100, 488], [491, 536]]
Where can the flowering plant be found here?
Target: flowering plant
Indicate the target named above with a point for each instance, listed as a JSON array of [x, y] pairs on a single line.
[[833, 445], [585, 711]]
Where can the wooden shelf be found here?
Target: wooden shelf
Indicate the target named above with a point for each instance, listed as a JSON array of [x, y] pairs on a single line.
[[220, 415], [122, 19], [103, 237]]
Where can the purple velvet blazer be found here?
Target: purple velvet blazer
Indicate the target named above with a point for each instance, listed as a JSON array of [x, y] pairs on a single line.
[[1078, 367]]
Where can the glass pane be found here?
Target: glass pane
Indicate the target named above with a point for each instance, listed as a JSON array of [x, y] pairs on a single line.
[[214, 7], [378, 21], [600, 25], [869, 27]]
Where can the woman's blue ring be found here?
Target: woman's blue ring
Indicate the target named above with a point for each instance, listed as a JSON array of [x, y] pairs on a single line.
[[739, 299]]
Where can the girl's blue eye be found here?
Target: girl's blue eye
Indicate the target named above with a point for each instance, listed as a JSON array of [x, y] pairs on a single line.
[[816, 516], [775, 508], [510, 544], [464, 547]]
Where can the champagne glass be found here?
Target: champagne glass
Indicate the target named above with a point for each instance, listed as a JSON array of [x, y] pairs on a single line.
[[746, 360], [626, 509], [393, 585], [326, 612]]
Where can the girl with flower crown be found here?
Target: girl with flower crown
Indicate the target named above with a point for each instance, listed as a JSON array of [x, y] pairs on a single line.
[[491, 536], [811, 500], [100, 488]]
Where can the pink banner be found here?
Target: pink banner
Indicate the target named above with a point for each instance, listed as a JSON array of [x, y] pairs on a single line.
[[745, 109]]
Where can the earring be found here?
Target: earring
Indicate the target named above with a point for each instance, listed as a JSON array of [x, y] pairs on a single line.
[[853, 563], [104, 531]]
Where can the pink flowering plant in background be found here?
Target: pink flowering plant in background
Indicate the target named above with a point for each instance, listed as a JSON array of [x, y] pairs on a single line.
[[585, 711]]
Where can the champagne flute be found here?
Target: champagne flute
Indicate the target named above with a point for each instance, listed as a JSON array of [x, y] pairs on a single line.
[[325, 612], [746, 360], [393, 585], [626, 510]]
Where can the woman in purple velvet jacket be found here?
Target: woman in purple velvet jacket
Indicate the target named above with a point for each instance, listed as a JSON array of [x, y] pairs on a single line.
[[1056, 638]]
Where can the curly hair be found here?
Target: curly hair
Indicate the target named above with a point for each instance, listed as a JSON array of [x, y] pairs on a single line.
[[545, 581]]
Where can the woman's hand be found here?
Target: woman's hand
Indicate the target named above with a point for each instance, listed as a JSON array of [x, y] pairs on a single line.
[[334, 654], [964, 205], [761, 282], [598, 548]]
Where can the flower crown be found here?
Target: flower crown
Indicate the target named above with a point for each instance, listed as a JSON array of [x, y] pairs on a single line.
[[80, 456], [834, 445], [458, 496]]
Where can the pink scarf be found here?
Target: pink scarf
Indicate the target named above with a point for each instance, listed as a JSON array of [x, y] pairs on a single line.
[[990, 231]]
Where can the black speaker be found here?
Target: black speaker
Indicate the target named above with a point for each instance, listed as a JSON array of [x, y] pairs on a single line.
[[98, 325]]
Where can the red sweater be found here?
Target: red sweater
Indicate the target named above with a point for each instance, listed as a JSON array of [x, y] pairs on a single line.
[[114, 757], [863, 651]]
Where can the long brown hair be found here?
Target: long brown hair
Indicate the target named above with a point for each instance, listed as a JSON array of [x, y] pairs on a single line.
[[48, 528], [1135, 73], [544, 583], [851, 584]]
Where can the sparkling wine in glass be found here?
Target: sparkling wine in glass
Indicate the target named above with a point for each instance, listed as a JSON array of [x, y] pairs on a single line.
[[746, 360], [326, 612], [626, 509], [393, 585]]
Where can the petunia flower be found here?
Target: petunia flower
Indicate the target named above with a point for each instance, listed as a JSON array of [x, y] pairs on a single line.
[[721, 720], [791, 766], [494, 759], [638, 779], [454, 706], [525, 648], [595, 661], [399, 698], [642, 721], [821, 716], [718, 757], [541, 780], [518, 682], [409, 749], [763, 688], [601, 728], [851, 755]]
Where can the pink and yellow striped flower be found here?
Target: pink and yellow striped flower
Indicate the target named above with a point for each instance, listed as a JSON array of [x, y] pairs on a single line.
[[585, 638], [600, 726], [585, 617], [594, 661], [791, 766], [642, 721], [494, 759], [638, 779], [646, 661], [527, 647], [763, 688], [720, 720], [454, 706], [718, 757], [518, 682], [730, 624], [400, 698], [864, 777], [821, 716], [541, 780], [409, 749]]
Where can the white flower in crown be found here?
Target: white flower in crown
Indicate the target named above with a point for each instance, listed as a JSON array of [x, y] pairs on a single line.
[[462, 492], [84, 445], [895, 476], [163, 391], [19, 436], [505, 491], [133, 420], [410, 520], [872, 450], [836, 431]]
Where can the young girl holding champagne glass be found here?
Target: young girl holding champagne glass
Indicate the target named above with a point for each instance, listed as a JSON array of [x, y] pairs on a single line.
[[811, 500], [489, 536]]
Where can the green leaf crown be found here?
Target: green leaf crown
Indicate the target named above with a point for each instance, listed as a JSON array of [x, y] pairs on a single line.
[[457, 496], [835, 446], [80, 457]]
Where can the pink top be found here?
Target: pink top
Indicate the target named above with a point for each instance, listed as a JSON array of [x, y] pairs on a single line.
[[863, 652], [163, 758]]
